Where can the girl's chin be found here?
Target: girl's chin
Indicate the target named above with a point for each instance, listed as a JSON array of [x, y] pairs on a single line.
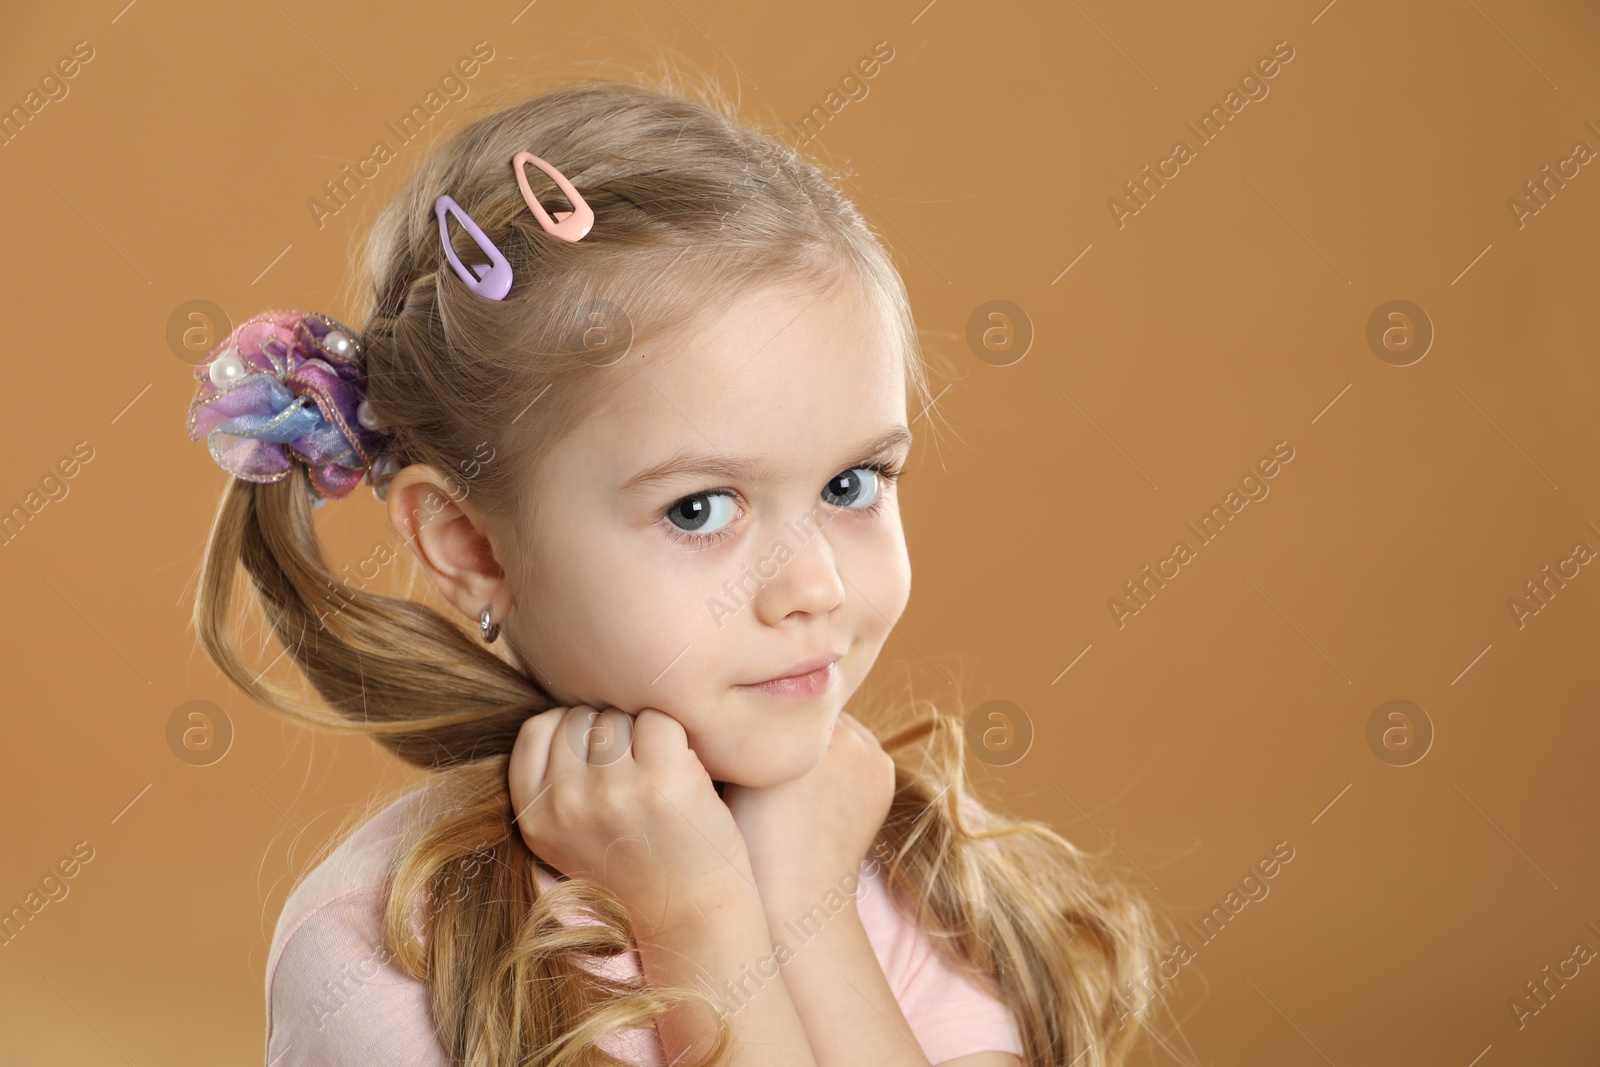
[[763, 777]]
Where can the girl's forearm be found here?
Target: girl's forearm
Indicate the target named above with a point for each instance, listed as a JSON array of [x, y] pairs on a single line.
[[720, 944], [837, 985]]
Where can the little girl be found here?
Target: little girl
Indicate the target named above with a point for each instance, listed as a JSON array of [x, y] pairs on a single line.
[[633, 386]]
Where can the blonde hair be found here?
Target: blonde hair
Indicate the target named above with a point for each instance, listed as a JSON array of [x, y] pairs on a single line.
[[690, 205]]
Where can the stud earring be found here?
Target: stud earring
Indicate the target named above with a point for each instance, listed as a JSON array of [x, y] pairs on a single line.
[[490, 630]]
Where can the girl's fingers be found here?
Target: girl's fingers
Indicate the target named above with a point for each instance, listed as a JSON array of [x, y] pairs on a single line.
[[606, 740], [530, 756], [569, 745], [628, 799], [659, 740]]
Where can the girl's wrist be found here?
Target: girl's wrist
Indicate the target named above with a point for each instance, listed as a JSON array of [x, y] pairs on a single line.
[[794, 892], [789, 907], [727, 896], [713, 944]]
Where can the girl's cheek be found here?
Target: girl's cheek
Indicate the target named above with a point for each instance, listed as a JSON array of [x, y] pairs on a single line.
[[888, 576], [666, 643]]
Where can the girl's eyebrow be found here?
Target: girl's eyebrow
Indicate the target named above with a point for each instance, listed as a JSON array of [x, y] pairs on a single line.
[[708, 465]]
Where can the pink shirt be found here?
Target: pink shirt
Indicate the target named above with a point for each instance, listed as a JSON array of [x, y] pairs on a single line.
[[335, 997]]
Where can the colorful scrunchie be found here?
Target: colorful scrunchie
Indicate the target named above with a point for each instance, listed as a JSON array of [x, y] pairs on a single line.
[[286, 387]]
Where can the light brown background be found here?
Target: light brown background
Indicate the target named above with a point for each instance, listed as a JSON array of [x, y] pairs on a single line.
[[1227, 315]]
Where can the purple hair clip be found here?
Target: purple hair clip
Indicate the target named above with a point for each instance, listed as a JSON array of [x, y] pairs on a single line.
[[493, 279]]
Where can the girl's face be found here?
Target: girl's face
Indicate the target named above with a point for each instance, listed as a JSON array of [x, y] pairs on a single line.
[[717, 522]]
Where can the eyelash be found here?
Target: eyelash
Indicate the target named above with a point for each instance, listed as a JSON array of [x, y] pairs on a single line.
[[886, 472]]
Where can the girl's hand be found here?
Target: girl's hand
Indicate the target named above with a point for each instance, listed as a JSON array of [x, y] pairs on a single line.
[[625, 802], [803, 836]]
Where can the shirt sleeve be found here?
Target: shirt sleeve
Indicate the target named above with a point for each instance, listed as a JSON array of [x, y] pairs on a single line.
[[950, 1014], [336, 997]]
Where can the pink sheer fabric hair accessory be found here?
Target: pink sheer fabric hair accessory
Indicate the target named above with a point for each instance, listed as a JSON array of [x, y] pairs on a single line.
[[289, 387]]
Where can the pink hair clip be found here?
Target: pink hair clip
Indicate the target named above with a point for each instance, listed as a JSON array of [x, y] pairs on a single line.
[[493, 280], [572, 225]]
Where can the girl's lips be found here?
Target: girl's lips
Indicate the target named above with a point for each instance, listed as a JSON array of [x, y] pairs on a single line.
[[798, 686]]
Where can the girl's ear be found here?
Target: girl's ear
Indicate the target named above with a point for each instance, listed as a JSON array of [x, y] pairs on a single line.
[[450, 540]]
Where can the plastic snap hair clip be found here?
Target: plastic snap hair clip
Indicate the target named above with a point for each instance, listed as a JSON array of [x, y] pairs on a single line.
[[574, 224], [493, 279]]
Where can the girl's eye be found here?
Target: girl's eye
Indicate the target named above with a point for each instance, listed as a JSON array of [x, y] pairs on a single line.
[[701, 520], [702, 514], [850, 490]]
